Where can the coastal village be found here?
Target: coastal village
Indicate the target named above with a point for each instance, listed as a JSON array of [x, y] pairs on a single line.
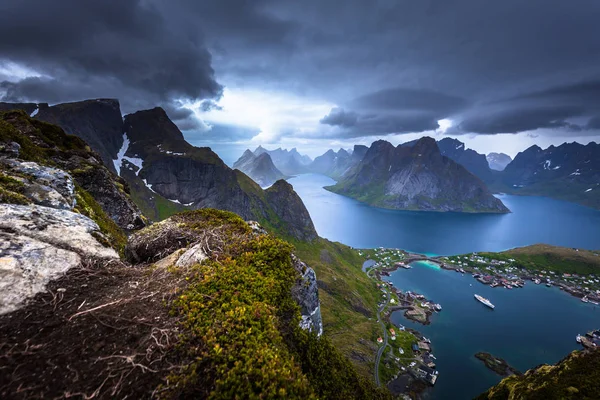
[[407, 364], [510, 274]]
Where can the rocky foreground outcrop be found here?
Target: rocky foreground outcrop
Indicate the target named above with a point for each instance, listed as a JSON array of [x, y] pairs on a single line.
[[205, 302], [40, 244]]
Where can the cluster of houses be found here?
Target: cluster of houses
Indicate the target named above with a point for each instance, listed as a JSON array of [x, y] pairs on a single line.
[[426, 369], [501, 273]]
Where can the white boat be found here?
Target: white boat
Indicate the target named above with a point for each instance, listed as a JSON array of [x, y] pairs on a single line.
[[584, 299], [578, 338], [485, 301]]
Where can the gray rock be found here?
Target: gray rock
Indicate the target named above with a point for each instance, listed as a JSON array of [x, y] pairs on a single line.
[[194, 255], [39, 244], [305, 292], [10, 149], [47, 186]]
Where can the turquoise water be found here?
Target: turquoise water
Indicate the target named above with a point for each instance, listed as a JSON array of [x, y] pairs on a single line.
[[533, 220], [528, 327]]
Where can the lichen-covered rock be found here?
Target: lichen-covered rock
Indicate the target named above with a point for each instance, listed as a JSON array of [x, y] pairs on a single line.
[[24, 140], [45, 186], [38, 244]]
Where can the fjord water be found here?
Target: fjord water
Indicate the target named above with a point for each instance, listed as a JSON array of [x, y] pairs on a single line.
[[533, 220], [528, 327]]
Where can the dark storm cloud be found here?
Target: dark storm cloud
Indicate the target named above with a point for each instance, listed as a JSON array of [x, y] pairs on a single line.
[[523, 119], [410, 99], [104, 48], [338, 117], [397, 110], [552, 108], [388, 65], [594, 123]]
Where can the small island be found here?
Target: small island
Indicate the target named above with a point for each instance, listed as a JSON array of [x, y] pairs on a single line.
[[497, 364]]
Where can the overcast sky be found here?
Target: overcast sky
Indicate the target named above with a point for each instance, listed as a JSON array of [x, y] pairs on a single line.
[[499, 75]]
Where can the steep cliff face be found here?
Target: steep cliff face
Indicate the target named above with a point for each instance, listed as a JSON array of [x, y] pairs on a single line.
[[498, 161], [260, 168], [98, 122], [164, 173], [577, 376], [416, 177], [474, 162], [52, 166], [289, 207], [156, 155], [569, 172]]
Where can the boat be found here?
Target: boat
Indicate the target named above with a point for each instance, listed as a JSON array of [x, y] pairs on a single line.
[[537, 281], [578, 338], [585, 299], [593, 302], [437, 307], [485, 301], [549, 284]]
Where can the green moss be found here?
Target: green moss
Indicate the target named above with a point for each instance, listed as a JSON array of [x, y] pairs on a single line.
[[7, 196], [240, 326], [348, 299], [575, 377], [199, 220], [87, 206], [11, 191]]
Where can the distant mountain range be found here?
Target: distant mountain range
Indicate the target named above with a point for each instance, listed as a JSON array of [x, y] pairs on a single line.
[[474, 162], [337, 164], [498, 161], [416, 177], [165, 173], [569, 172], [288, 162], [260, 168]]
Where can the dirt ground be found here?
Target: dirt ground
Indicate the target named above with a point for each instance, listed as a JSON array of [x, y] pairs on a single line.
[[100, 332]]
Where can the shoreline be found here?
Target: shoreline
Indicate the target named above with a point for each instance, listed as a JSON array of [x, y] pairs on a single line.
[[420, 375]]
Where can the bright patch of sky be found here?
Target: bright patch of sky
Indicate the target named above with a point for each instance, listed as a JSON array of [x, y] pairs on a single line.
[[277, 115]]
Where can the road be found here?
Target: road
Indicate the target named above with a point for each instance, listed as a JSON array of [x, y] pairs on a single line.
[[385, 338]]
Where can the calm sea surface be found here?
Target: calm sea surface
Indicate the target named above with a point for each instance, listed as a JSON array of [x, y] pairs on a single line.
[[533, 220], [529, 326]]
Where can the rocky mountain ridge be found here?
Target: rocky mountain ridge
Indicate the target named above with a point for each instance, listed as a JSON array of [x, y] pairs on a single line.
[[569, 172], [260, 168], [289, 162], [416, 177], [165, 173], [475, 163], [498, 161]]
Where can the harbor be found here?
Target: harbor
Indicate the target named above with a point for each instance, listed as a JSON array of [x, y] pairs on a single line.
[[505, 274], [511, 332]]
